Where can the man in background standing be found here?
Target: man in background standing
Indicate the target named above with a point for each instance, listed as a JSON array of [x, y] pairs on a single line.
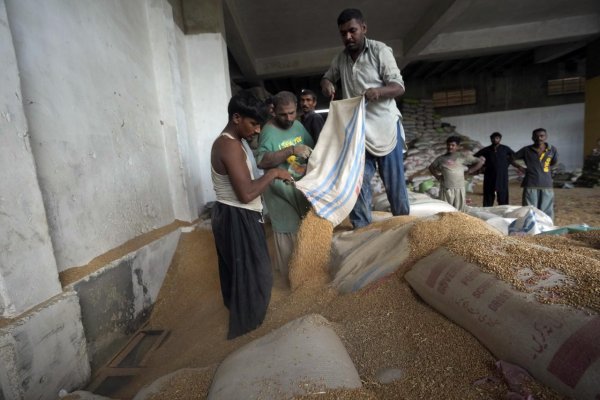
[[495, 176], [538, 190], [368, 68], [312, 121], [449, 169]]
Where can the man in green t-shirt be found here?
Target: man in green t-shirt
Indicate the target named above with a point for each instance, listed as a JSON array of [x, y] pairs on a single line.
[[285, 143], [449, 169]]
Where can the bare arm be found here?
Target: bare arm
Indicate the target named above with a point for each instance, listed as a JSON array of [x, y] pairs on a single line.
[[436, 174], [328, 88], [388, 91], [515, 164], [476, 167], [228, 158]]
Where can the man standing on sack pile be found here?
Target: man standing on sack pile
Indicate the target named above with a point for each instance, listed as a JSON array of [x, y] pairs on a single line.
[[367, 68], [284, 143]]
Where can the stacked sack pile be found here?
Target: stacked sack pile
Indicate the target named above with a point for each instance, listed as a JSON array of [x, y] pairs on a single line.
[[591, 171], [426, 138]]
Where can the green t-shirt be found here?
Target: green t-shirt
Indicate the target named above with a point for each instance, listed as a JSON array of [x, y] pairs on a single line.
[[452, 167], [286, 204]]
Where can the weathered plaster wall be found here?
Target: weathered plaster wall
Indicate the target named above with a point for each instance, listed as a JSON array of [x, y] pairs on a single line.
[[116, 299], [208, 93], [91, 102], [28, 273], [168, 59], [106, 125], [564, 125], [44, 351]]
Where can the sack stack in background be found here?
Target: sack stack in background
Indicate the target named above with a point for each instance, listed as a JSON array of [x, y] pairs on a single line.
[[426, 138], [591, 172]]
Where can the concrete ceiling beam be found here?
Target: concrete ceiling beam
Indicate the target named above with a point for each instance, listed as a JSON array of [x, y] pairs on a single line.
[[308, 62], [239, 49], [549, 53], [513, 37], [203, 16], [430, 25]]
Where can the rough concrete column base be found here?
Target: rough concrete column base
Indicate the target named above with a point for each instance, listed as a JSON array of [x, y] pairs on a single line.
[[43, 351]]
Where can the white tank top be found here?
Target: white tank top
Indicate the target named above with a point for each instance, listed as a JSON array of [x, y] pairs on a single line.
[[224, 190]]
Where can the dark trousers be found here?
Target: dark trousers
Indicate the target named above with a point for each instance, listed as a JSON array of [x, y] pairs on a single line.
[[244, 266]]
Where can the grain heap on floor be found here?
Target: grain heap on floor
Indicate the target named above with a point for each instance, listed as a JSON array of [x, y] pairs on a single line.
[[382, 326]]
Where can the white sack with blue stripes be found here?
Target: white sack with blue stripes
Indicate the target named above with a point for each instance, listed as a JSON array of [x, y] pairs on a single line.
[[335, 168]]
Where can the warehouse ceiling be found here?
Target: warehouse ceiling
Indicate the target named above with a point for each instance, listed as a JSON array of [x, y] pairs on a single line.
[[279, 38]]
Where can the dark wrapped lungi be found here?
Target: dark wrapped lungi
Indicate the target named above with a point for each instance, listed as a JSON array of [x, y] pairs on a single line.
[[244, 266]]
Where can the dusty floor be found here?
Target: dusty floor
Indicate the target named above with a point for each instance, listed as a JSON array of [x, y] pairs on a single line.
[[384, 325]]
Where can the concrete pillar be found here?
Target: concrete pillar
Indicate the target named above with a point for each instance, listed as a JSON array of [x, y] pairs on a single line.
[[208, 83], [28, 272], [592, 98], [203, 16], [210, 92], [44, 351], [170, 89]]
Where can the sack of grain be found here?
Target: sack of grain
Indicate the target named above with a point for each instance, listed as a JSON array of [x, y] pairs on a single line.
[[364, 256], [335, 168], [558, 344], [530, 221], [302, 357], [421, 205]]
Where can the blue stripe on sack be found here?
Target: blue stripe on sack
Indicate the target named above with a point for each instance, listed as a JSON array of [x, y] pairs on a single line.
[[349, 178], [336, 169], [349, 188], [529, 224]]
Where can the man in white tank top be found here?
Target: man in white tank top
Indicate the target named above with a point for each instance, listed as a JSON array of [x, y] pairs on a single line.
[[244, 263]]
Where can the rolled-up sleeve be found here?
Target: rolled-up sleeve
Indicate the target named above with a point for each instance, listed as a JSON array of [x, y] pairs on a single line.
[[389, 70]]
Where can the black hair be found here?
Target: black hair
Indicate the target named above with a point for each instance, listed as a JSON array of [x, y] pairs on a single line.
[[538, 130], [455, 139], [495, 134], [349, 14], [247, 105], [308, 92], [284, 97]]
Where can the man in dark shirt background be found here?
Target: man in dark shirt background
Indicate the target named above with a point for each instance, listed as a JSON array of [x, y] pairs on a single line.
[[495, 176], [539, 159], [312, 121]]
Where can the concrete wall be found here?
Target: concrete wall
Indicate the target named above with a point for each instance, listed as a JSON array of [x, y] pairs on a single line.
[[91, 103], [28, 274], [564, 125], [107, 114], [208, 93], [510, 89], [44, 351], [116, 299], [592, 98]]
